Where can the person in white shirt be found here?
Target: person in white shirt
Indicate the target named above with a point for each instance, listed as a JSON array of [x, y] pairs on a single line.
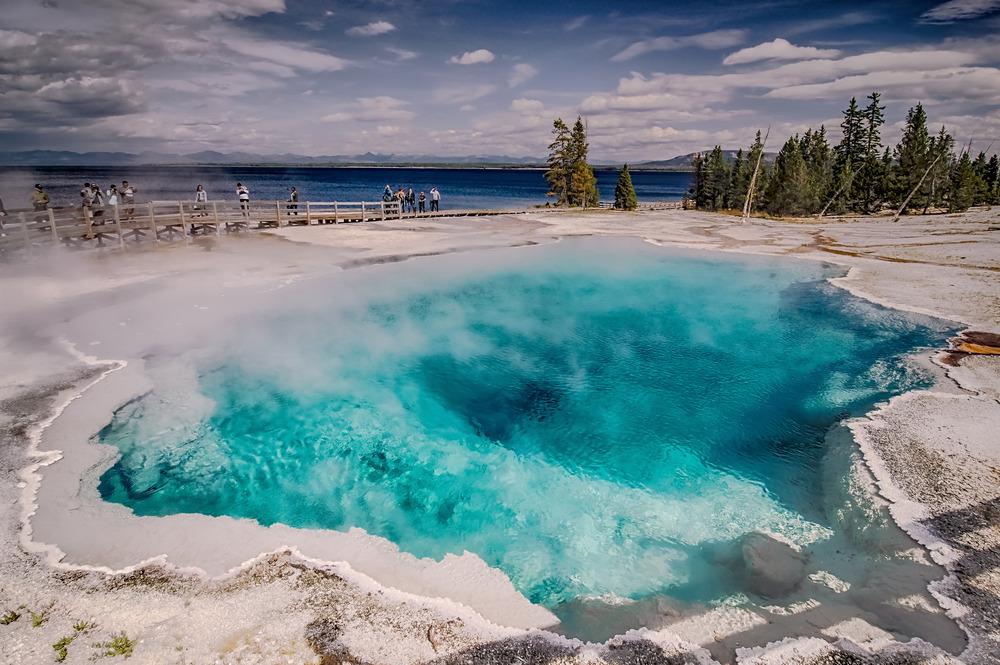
[[243, 194], [435, 200], [112, 196], [127, 194]]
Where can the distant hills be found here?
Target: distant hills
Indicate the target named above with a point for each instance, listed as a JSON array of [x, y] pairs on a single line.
[[214, 158]]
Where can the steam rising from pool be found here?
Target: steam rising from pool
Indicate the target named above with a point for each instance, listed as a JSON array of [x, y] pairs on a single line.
[[587, 418]]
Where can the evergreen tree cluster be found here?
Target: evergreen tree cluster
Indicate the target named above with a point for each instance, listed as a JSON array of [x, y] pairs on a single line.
[[859, 174], [571, 179]]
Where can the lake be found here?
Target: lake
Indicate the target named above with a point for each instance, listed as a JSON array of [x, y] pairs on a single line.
[[460, 188]]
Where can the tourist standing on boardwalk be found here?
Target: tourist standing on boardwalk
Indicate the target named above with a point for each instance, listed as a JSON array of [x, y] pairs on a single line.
[[293, 201], [243, 194], [401, 199], [112, 196], [86, 200], [39, 200], [127, 194], [435, 199], [421, 200], [411, 200], [200, 199], [97, 203], [387, 194]]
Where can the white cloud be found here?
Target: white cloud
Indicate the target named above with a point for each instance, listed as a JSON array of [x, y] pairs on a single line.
[[576, 23], [524, 105], [837, 21], [288, 54], [521, 73], [716, 39], [401, 53], [967, 83], [779, 49], [372, 109], [959, 10], [462, 94], [478, 57], [371, 29]]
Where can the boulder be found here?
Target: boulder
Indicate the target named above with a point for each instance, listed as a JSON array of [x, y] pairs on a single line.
[[770, 567]]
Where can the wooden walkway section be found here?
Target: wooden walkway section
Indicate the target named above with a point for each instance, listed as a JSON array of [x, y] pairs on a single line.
[[164, 221]]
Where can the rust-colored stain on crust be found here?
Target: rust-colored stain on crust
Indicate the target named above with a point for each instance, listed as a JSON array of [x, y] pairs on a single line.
[[972, 343]]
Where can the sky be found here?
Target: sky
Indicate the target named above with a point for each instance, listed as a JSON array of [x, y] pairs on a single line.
[[474, 77]]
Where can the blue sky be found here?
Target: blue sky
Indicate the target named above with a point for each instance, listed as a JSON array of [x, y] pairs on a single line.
[[461, 77]]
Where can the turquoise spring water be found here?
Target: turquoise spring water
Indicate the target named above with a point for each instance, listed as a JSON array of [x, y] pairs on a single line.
[[586, 416]]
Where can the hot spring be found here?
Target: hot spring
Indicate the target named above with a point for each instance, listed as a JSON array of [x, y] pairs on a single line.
[[592, 418]]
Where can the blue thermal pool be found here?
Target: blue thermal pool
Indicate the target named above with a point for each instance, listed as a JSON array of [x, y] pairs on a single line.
[[587, 416]]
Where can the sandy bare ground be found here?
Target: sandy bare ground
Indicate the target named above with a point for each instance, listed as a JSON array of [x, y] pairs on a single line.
[[933, 457]]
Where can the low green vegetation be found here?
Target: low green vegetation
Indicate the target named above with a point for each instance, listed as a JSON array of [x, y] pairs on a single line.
[[119, 645], [571, 179], [624, 191], [39, 618], [809, 176], [62, 647], [9, 617], [84, 626]]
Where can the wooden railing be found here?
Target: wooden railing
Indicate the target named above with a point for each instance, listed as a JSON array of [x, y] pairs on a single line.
[[168, 220], [648, 205]]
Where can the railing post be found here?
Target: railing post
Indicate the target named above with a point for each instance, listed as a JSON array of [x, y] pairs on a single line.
[[399, 206], [382, 206], [184, 225], [52, 225], [308, 214], [277, 213], [118, 227], [362, 211], [336, 213], [215, 216], [24, 235], [152, 222]]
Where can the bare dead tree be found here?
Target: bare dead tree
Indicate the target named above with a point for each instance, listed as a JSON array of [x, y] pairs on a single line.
[[920, 182], [748, 203]]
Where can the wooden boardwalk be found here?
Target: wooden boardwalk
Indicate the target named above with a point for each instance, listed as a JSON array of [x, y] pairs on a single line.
[[26, 231], [166, 221]]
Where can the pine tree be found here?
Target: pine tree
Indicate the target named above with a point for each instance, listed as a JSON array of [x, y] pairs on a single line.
[[583, 183], [624, 191], [698, 192], [979, 165], [963, 184], [739, 180], [913, 156], [869, 179], [786, 192], [937, 185], [717, 179], [993, 180], [819, 168], [559, 162]]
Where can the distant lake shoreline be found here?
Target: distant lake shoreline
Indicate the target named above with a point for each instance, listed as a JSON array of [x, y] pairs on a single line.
[[461, 186]]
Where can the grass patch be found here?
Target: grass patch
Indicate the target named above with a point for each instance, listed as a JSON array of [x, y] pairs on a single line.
[[119, 645], [62, 647], [9, 617], [39, 618], [84, 626]]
